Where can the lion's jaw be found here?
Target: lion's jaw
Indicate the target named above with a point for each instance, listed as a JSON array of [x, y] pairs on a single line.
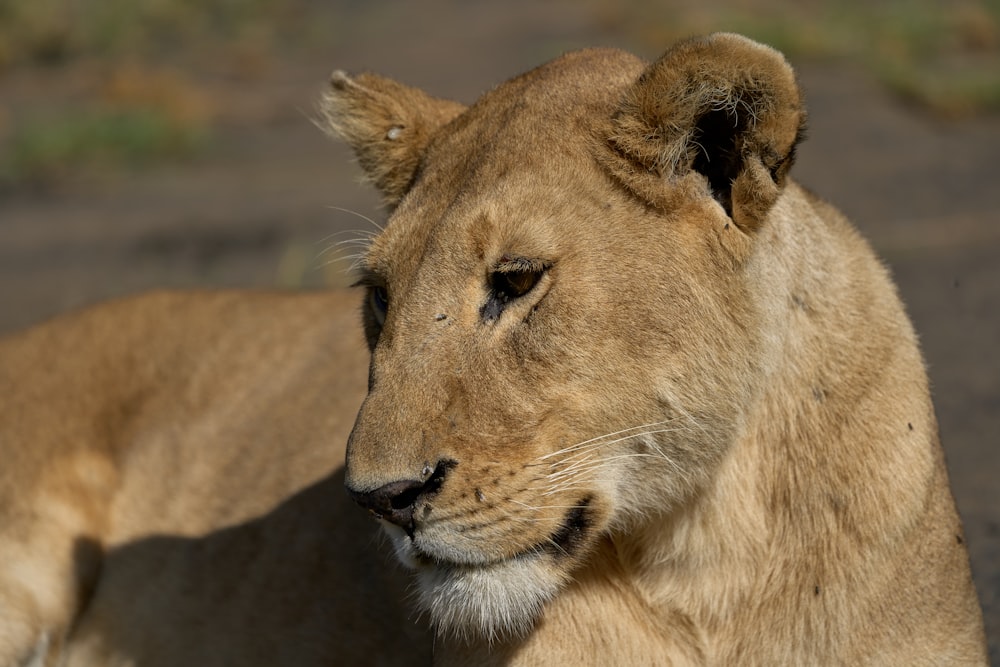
[[481, 576], [495, 589], [488, 600]]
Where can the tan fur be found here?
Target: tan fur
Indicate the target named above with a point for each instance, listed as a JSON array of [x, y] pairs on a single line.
[[701, 434], [170, 492], [704, 435]]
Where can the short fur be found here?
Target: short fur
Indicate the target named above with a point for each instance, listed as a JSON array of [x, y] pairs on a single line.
[[170, 491], [703, 436], [635, 397]]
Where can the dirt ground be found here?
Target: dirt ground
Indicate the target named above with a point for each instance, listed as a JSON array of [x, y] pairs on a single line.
[[263, 206]]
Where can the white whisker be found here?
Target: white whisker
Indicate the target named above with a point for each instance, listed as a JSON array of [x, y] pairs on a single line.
[[570, 480], [365, 233], [535, 508], [363, 217], [601, 437], [593, 446], [576, 464]]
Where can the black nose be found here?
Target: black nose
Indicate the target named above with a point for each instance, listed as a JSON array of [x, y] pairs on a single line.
[[394, 502]]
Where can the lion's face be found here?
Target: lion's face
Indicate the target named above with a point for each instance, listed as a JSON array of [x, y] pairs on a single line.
[[562, 340]]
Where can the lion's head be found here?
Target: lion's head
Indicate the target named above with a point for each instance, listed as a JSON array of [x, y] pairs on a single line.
[[564, 340]]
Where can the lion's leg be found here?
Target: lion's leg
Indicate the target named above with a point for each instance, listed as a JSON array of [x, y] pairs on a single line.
[[48, 566], [41, 581]]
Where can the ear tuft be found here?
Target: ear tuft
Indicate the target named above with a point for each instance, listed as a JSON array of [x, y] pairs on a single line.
[[388, 125], [724, 107]]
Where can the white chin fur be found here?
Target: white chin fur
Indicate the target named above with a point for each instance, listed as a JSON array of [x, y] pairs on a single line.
[[490, 602]]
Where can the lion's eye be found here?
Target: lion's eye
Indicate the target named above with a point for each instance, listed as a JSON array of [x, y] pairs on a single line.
[[378, 299], [511, 279], [512, 284]]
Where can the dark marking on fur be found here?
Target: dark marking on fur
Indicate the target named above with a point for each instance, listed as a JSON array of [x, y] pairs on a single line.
[[819, 394], [958, 539], [909, 425], [463, 514], [433, 485], [570, 535], [816, 590], [491, 309], [836, 503]]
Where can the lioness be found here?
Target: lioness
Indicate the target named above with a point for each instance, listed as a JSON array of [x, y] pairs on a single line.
[[635, 397]]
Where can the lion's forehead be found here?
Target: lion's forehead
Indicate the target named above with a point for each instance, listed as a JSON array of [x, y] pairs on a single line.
[[512, 168], [548, 102], [529, 211]]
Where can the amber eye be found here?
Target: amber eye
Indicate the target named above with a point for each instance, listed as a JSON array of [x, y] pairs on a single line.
[[378, 299], [512, 284]]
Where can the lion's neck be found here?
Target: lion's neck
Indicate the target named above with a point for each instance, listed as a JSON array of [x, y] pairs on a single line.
[[837, 405]]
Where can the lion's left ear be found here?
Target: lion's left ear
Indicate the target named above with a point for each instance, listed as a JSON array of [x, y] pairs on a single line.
[[388, 125], [724, 107]]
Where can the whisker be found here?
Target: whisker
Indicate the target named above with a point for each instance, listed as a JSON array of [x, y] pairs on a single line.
[[356, 260], [611, 442], [367, 233], [337, 248], [602, 440], [535, 508], [363, 217], [601, 437], [569, 469], [687, 415], [569, 480]]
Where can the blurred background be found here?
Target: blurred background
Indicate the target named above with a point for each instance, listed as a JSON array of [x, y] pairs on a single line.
[[151, 143]]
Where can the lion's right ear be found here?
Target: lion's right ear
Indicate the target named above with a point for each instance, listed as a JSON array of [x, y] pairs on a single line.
[[388, 125]]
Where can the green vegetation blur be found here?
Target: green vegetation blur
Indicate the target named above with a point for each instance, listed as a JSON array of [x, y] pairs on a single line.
[[150, 63]]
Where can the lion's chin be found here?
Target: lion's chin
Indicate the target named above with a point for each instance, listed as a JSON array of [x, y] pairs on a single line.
[[481, 601], [491, 602]]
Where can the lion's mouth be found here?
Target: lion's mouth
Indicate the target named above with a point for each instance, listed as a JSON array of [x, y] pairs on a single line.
[[427, 560], [564, 542], [471, 592]]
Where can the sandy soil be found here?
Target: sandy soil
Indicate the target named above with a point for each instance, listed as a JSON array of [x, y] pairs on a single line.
[[258, 209]]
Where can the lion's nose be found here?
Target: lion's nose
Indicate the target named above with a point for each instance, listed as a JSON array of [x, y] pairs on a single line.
[[394, 502]]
